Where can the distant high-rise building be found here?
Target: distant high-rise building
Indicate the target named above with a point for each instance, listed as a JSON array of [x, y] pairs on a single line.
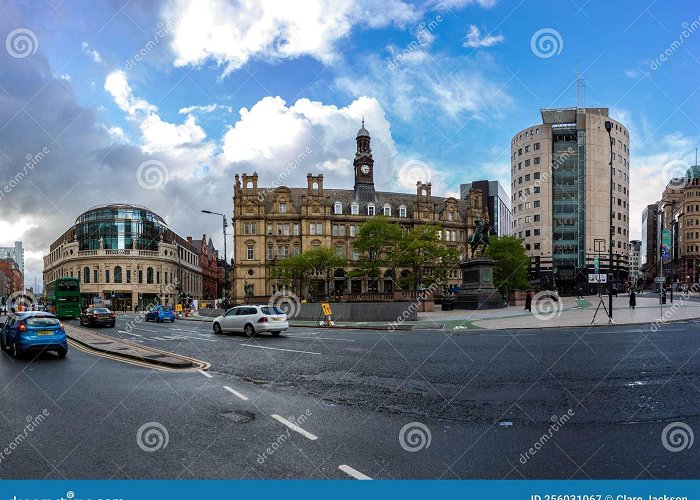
[[649, 249], [635, 259], [15, 253], [495, 201], [560, 174]]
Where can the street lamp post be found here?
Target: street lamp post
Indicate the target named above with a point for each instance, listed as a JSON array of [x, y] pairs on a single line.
[[608, 127], [225, 254]]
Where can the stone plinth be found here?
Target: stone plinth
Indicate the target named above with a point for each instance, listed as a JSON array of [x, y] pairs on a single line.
[[477, 289]]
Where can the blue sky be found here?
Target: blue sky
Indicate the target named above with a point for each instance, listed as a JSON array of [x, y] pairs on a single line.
[[223, 88]]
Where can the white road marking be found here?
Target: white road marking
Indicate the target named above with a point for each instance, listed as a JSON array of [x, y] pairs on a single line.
[[236, 393], [295, 427], [354, 473], [278, 349], [129, 333], [322, 338], [205, 374], [145, 329]]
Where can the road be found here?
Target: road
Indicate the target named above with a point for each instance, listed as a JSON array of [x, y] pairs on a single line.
[[467, 404]]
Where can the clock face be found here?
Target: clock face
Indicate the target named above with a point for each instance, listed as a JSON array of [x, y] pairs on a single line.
[[364, 169]]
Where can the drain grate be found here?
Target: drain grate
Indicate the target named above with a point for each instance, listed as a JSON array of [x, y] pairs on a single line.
[[240, 417]]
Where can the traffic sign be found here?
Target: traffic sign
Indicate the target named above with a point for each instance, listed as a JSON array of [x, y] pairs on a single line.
[[597, 278], [326, 309]]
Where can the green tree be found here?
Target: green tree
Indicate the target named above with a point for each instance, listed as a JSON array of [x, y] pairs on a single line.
[[511, 263], [313, 265], [422, 249], [375, 240]]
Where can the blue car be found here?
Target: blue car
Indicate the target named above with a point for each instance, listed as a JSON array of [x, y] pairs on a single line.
[[160, 314], [33, 331]]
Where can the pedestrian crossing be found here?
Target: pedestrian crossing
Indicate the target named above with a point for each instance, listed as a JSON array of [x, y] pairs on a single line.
[[139, 338]]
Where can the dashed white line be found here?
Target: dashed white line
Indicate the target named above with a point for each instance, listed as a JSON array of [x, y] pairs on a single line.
[[235, 393], [323, 338], [278, 349], [354, 473], [205, 374], [129, 333], [295, 427]]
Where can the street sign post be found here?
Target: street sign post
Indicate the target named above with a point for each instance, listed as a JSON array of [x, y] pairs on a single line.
[[597, 278]]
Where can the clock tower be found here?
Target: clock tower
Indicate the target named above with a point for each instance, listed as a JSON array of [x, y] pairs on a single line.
[[364, 167]]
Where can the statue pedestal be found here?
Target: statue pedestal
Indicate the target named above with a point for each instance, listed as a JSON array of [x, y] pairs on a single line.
[[477, 290]]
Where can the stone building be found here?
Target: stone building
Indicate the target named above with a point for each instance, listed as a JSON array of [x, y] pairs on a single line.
[[273, 223], [126, 254], [208, 261]]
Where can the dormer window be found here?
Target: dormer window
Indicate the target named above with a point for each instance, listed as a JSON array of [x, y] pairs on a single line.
[[387, 210], [402, 211], [283, 207], [450, 216], [370, 209], [337, 208], [354, 208]]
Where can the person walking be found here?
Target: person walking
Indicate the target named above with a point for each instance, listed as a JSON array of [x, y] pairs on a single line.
[[580, 293], [528, 301], [633, 299]]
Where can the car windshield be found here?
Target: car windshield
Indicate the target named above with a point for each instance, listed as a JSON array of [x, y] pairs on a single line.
[[268, 310], [165, 308], [42, 321], [101, 310]]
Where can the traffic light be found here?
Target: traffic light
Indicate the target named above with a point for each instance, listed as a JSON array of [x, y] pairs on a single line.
[[112, 293]]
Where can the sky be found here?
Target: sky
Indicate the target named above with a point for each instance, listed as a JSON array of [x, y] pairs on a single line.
[[161, 103]]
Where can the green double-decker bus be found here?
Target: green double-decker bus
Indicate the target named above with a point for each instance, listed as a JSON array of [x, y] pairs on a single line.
[[63, 297]]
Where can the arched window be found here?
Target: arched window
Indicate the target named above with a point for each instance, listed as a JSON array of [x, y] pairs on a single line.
[[86, 275], [118, 274], [149, 276]]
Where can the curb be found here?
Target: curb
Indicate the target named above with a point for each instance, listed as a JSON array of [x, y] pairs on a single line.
[[591, 326], [189, 363]]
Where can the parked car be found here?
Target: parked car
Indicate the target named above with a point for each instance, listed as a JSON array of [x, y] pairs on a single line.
[[93, 316], [160, 314], [33, 331], [251, 320]]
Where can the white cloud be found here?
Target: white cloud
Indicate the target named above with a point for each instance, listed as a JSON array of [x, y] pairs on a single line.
[[475, 39], [118, 86], [92, 53], [209, 108], [233, 32]]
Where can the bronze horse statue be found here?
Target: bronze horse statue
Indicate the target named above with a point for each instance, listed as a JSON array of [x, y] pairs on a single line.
[[480, 236]]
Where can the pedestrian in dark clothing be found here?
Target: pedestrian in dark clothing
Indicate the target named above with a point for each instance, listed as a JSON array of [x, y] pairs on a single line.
[[580, 293], [528, 301], [633, 299]]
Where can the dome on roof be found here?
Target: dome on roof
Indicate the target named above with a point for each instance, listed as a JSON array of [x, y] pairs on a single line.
[[363, 132], [693, 172]]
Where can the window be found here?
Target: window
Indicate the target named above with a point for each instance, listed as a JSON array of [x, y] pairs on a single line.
[[86, 275], [537, 245], [140, 276], [315, 228], [354, 208], [370, 209], [536, 203], [536, 189], [527, 163], [353, 230], [270, 253], [296, 229], [387, 210], [250, 228], [537, 233], [527, 234], [450, 216], [536, 175], [537, 218], [250, 253], [118, 274], [527, 149], [402, 211], [536, 160], [297, 250], [337, 208], [106, 275], [128, 276], [283, 208], [158, 277], [355, 254], [536, 146], [340, 251], [269, 229], [149, 276], [527, 177], [528, 205]]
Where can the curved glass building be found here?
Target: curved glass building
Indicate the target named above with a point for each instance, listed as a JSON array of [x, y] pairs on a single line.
[[119, 227]]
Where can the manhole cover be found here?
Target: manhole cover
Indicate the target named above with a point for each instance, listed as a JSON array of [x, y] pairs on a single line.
[[240, 417]]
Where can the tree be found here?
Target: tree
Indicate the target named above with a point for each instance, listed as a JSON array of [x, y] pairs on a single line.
[[511, 263], [376, 239], [423, 249], [311, 265]]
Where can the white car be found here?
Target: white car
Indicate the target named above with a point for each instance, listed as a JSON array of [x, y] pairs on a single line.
[[251, 320]]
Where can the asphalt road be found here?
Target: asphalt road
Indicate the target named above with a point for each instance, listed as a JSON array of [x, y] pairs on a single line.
[[474, 404]]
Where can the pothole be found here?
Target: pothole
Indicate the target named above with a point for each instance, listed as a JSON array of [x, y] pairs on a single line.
[[240, 417]]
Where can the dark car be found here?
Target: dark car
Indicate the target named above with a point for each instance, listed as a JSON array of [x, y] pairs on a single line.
[[94, 316], [33, 331]]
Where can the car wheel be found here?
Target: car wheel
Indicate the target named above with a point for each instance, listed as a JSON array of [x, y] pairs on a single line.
[[16, 353], [217, 329], [249, 330], [3, 347], [275, 334], [172, 320], [62, 353]]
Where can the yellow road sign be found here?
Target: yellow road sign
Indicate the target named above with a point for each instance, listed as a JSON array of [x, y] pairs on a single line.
[[326, 309], [178, 308]]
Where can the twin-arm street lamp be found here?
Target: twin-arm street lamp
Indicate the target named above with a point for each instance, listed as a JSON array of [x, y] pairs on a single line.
[[225, 253]]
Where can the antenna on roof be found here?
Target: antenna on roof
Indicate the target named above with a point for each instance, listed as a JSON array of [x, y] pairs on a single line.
[[580, 91]]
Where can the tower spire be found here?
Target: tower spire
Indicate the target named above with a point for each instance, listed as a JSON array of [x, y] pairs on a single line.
[[363, 121]]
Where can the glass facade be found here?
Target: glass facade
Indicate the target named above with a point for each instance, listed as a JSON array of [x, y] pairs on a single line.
[[119, 227]]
